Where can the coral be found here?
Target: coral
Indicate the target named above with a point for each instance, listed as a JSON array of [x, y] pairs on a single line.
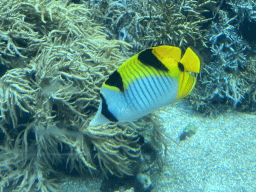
[[47, 103], [57, 94], [26, 25], [16, 35], [226, 79], [55, 55], [152, 23], [223, 31], [18, 95]]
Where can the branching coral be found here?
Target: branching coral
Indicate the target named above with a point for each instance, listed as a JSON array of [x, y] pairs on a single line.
[[180, 23], [226, 80], [151, 23], [223, 31], [244, 9]]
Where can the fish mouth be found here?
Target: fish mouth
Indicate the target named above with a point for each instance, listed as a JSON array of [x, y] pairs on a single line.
[[188, 82]]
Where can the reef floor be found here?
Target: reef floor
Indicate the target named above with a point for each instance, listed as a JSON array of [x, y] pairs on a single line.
[[219, 155]]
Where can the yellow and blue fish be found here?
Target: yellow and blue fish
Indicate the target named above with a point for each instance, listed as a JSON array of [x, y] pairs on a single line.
[[147, 81]]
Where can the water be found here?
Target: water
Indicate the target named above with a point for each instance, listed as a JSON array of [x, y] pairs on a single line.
[[67, 49]]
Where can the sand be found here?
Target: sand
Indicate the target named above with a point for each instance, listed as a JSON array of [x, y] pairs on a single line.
[[220, 156]]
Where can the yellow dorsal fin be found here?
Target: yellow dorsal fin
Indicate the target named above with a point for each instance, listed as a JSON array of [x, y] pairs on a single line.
[[191, 61], [166, 51]]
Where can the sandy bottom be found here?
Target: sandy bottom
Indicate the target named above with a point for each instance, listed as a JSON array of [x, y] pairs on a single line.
[[220, 156]]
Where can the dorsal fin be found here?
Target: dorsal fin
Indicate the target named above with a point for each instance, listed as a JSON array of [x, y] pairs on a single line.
[[166, 51]]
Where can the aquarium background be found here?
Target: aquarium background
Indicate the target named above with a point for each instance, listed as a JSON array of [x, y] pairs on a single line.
[[54, 57]]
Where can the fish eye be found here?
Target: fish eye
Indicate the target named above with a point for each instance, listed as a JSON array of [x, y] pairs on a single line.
[[181, 67]]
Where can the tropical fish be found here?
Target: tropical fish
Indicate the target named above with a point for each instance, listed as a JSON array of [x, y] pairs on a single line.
[[147, 81]]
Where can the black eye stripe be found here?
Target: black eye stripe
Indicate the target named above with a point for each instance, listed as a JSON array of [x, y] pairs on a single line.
[[181, 67]]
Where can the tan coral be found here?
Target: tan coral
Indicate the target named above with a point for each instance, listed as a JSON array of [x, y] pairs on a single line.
[[58, 91], [51, 92]]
